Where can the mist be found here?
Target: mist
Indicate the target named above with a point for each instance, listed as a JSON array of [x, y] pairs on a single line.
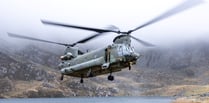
[[23, 17]]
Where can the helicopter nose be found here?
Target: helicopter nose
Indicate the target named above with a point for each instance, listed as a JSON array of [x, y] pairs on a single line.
[[62, 71], [132, 57], [136, 55], [65, 71]]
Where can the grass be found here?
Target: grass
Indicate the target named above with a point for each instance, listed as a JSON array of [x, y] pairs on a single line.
[[179, 90], [193, 99]]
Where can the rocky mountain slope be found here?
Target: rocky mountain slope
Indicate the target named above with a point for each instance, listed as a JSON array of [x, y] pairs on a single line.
[[32, 72]]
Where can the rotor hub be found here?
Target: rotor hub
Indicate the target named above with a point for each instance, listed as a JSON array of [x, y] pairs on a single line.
[[122, 39]]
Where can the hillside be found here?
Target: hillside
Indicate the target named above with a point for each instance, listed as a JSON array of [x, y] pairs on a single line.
[[177, 71]]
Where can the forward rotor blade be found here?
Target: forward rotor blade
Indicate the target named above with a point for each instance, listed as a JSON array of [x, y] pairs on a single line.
[[35, 39], [142, 42], [78, 27], [177, 9]]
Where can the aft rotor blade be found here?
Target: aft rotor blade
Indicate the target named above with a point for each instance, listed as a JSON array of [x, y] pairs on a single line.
[[35, 39], [142, 42], [78, 27], [177, 9], [110, 27], [88, 38]]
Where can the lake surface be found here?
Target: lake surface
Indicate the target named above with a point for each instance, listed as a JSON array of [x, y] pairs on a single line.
[[90, 100]]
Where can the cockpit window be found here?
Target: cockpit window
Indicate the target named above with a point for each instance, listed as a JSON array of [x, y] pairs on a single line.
[[120, 51], [131, 49], [125, 50]]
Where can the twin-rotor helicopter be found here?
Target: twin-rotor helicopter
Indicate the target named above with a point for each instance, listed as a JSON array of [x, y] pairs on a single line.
[[112, 58]]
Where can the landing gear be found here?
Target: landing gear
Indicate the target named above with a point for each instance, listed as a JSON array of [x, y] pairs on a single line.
[[62, 77], [90, 73], [81, 81], [110, 77], [129, 65]]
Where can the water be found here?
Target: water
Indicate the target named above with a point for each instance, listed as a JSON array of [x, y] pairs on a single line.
[[91, 100]]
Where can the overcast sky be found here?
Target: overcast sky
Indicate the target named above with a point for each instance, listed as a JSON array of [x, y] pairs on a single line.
[[23, 17]]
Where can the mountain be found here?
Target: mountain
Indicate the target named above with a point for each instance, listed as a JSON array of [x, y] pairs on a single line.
[[31, 71], [186, 61]]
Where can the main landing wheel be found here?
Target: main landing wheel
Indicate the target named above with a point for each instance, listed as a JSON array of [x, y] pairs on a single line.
[[129, 65], [110, 78], [62, 77], [81, 81]]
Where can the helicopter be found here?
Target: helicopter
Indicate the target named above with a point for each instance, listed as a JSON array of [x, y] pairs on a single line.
[[112, 58]]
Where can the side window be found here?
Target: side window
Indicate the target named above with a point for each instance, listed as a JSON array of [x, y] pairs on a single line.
[[125, 50], [132, 49], [120, 51]]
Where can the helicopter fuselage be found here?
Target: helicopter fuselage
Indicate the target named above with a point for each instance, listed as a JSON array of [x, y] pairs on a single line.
[[110, 59]]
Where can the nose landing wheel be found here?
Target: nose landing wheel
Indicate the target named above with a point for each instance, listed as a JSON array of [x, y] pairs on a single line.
[[110, 78]]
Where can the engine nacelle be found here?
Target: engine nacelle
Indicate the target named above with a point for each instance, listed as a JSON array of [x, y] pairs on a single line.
[[72, 50], [67, 56], [88, 64]]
